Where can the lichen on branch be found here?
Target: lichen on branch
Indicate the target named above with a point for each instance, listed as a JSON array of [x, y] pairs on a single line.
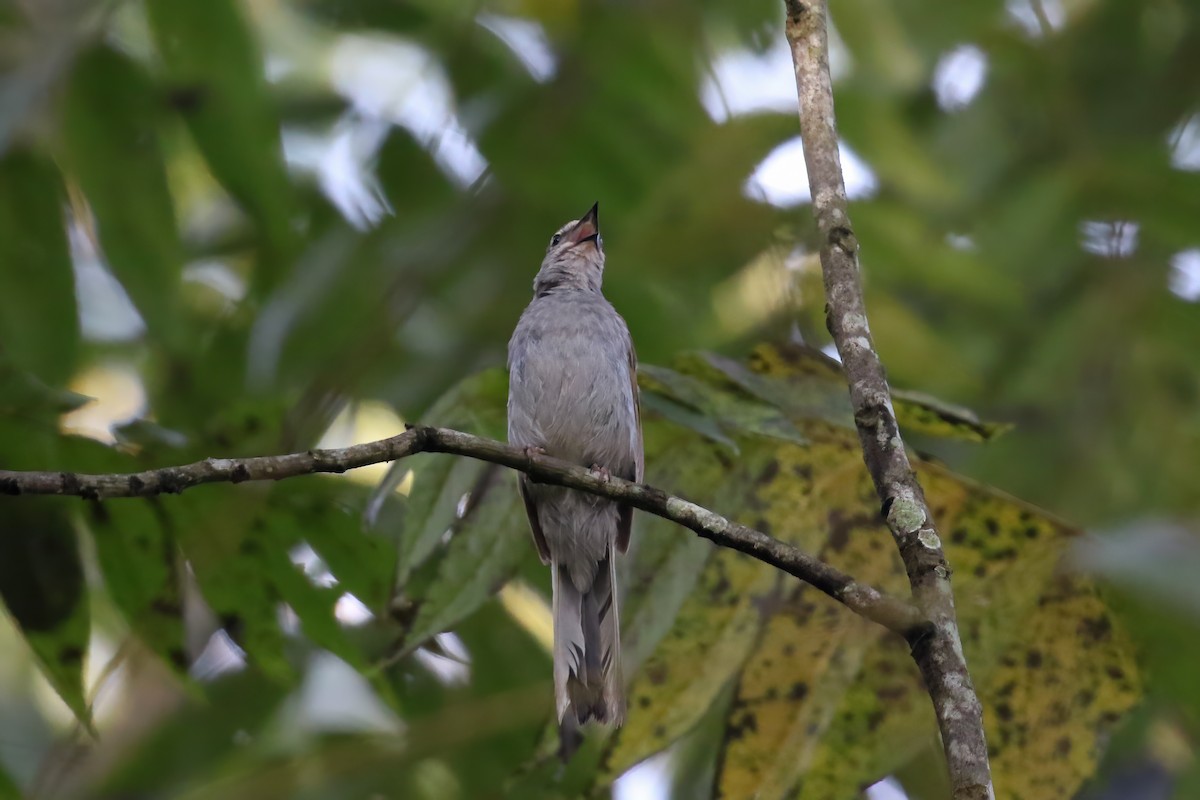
[[894, 614], [939, 656]]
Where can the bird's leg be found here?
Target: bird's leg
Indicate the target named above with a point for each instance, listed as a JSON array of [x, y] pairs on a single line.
[[601, 472]]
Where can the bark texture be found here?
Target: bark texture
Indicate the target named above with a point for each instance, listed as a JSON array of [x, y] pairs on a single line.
[[938, 651], [895, 614]]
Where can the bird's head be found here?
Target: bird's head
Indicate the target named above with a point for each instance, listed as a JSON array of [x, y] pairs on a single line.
[[575, 255]]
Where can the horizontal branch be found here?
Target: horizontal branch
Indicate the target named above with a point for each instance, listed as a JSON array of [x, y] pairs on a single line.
[[894, 614]]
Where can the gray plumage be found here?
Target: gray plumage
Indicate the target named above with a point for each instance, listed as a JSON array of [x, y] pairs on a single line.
[[573, 393]]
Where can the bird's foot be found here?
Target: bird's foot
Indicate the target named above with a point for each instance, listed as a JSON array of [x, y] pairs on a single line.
[[533, 450], [602, 473]]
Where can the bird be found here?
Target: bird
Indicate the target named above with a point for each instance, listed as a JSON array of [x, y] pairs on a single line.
[[573, 394]]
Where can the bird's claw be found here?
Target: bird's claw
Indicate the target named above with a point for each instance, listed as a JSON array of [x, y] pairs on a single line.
[[533, 450], [602, 473]]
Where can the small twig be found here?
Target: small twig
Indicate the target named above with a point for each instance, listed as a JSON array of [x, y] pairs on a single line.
[[894, 614], [1043, 18], [940, 655]]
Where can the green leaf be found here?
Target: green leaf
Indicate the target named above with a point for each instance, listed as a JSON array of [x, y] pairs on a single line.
[[225, 539], [195, 744], [654, 404], [42, 584], [818, 393], [215, 70], [696, 756], [486, 547], [516, 665], [730, 409], [8, 786], [23, 395], [807, 384], [921, 413], [325, 515], [441, 481], [488, 536], [148, 436], [295, 514], [140, 563], [313, 605], [239, 547], [39, 323], [111, 135]]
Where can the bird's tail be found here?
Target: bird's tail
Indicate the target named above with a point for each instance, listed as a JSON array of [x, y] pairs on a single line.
[[587, 652]]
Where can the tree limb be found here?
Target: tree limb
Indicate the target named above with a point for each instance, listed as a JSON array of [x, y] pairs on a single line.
[[892, 613], [940, 656]]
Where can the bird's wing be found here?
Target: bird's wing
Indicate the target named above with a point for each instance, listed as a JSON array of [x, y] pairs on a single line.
[[625, 521], [535, 525]]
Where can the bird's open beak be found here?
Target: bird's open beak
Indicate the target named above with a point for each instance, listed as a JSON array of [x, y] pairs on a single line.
[[588, 227]]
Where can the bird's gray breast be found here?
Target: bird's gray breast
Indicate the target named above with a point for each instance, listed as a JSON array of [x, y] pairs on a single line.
[[570, 388]]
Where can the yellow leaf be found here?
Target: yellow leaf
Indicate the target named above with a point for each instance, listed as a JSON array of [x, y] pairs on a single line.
[[721, 620], [1061, 687], [826, 703], [788, 694], [705, 646]]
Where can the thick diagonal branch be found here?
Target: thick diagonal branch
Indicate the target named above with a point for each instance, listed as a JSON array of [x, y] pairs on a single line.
[[894, 614], [940, 656]]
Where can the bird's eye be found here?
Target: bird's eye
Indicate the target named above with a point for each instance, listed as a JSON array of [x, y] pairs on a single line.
[[555, 239]]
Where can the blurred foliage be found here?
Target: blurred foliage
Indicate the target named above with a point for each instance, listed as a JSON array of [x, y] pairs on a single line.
[[276, 214]]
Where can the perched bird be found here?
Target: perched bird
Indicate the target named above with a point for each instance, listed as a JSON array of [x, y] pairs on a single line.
[[573, 394]]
